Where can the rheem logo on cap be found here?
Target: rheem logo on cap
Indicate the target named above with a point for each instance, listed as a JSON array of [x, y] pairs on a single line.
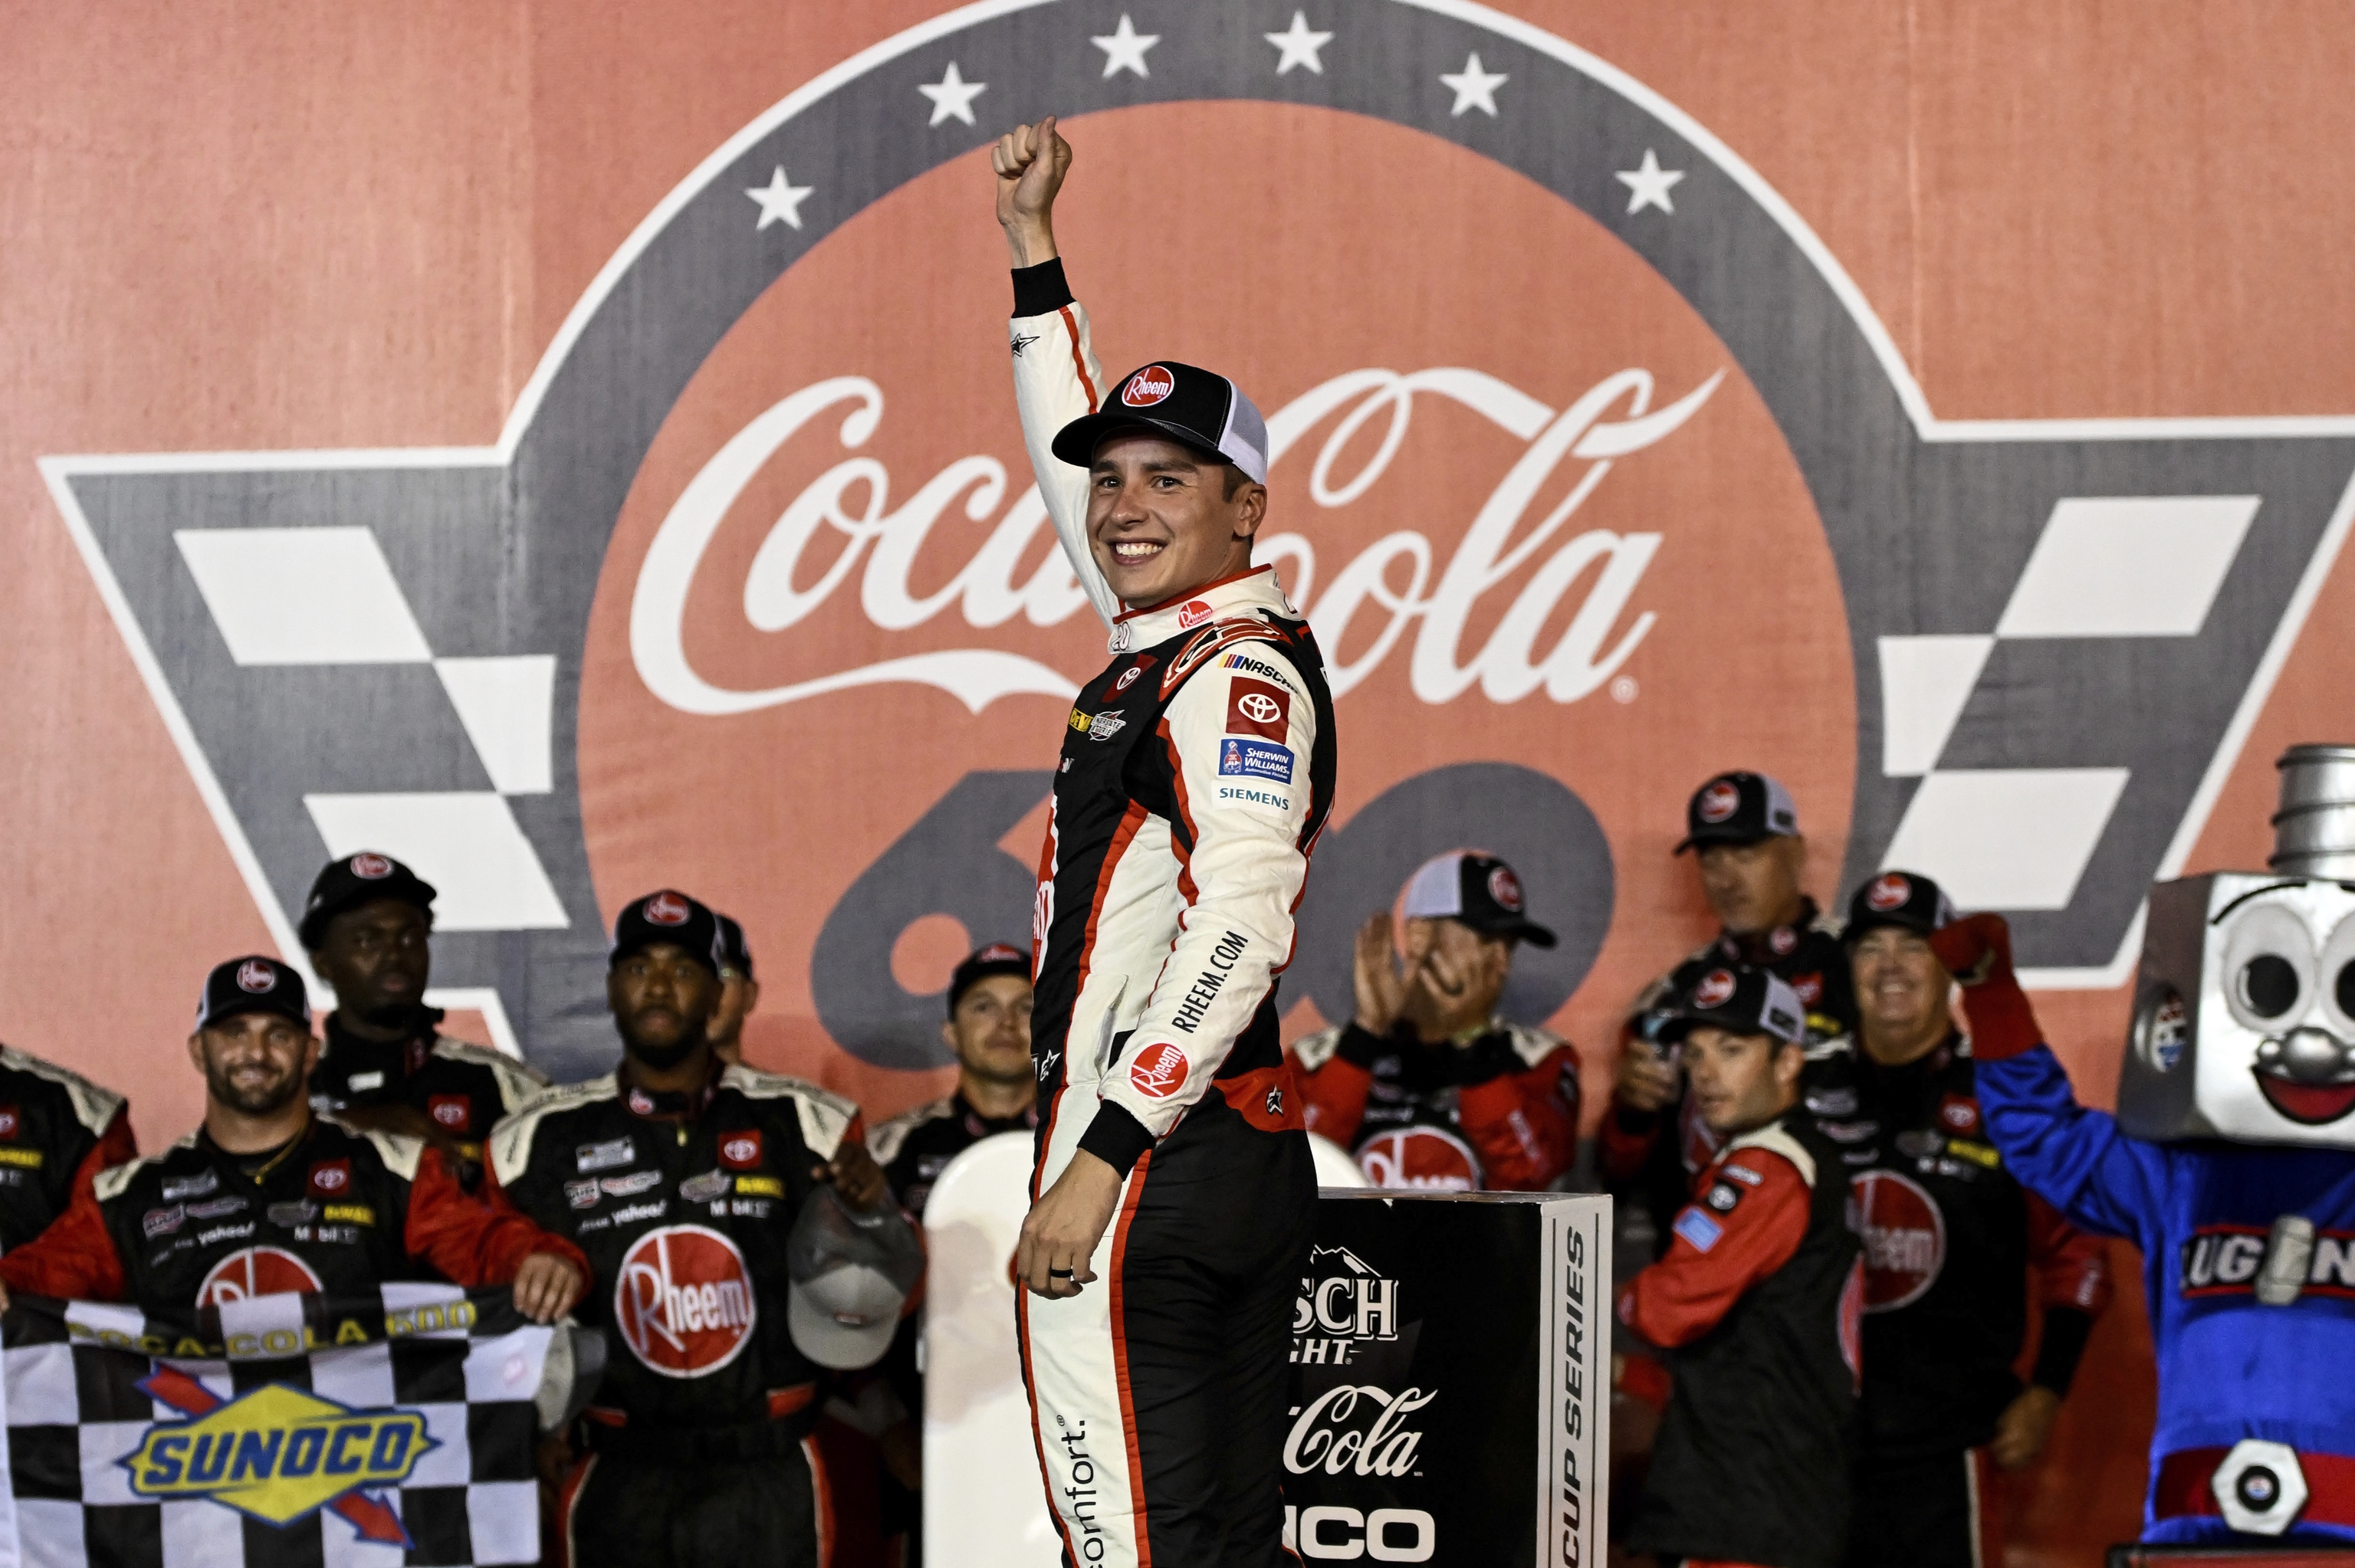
[[1506, 889], [370, 867], [1001, 953], [256, 977], [1719, 801], [1890, 892], [1159, 1071], [1715, 990], [666, 909], [1149, 386]]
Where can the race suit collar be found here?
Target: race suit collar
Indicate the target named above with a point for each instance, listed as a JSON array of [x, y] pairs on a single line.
[[401, 1057], [1238, 595]]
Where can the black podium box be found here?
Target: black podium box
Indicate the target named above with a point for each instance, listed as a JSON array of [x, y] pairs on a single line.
[[1451, 1369]]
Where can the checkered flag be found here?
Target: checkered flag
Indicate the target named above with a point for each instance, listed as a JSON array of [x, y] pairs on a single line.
[[391, 1428]]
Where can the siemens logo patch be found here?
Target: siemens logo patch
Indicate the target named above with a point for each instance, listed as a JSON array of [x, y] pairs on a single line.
[[1254, 759]]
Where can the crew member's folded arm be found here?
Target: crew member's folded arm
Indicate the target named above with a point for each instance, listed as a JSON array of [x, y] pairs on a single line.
[[1718, 1255], [474, 1243]]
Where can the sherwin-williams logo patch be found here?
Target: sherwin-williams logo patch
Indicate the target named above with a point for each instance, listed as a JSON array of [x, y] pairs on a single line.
[[279, 1454]]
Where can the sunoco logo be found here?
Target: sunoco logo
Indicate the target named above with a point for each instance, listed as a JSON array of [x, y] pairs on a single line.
[[731, 524], [278, 1453]]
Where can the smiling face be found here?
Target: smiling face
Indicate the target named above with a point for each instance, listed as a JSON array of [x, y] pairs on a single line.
[[1901, 991], [1164, 519], [990, 1034], [255, 1063]]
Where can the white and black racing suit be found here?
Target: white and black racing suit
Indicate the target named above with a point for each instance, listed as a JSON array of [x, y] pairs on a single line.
[[1195, 772]]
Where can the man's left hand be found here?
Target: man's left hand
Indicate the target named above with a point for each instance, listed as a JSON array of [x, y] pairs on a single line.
[[546, 1287], [2021, 1431], [1060, 1233]]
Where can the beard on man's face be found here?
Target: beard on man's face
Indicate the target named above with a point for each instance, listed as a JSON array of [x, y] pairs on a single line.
[[662, 1055], [254, 1097]]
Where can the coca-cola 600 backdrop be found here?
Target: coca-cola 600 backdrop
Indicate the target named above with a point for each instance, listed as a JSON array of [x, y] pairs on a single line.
[[571, 446]]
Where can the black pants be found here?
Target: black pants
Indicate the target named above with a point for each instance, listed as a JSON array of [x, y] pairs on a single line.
[[1157, 1394], [1933, 1511], [621, 1511]]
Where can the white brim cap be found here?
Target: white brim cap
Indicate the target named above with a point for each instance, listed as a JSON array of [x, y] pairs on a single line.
[[845, 1318]]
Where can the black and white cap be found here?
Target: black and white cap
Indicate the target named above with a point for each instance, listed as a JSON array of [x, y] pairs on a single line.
[[253, 984], [355, 879], [1477, 889], [851, 1271], [1739, 999], [1900, 898], [668, 916], [1738, 809], [1200, 409]]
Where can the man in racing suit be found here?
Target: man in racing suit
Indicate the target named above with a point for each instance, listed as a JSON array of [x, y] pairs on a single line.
[[386, 1065], [58, 1131], [1195, 772], [268, 1197], [1949, 1237], [1427, 1086], [1743, 830], [681, 1176]]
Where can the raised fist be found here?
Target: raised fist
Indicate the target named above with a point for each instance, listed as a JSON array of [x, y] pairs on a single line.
[[1976, 949], [1029, 162]]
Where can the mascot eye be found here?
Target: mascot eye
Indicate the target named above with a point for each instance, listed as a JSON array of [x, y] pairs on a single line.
[[2345, 989], [2269, 985]]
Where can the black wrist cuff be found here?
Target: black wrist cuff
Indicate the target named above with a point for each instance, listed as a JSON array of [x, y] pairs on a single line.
[[1040, 291], [1116, 1137], [2062, 1345], [1360, 1046]]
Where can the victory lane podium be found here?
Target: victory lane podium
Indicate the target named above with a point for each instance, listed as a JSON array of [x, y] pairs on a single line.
[[1450, 1366]]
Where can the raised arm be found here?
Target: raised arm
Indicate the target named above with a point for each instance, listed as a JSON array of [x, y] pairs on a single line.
[[1056, 376]]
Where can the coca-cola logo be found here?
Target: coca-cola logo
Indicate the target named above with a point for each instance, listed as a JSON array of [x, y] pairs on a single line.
[[257, 976], [1904, 1236], [682, 1301], [1149, 386], [1420, 1158], [370, 867], [1715, 990], [256, 1271], [666, 909], [1355, 1429], [1887, 893], [1719, 801], [1159, 1071]]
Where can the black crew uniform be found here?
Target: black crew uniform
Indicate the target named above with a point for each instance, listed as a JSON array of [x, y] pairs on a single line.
[[915, 1147], [58, 1131], [697, 1436], [463, 1089], [1952, 1245]]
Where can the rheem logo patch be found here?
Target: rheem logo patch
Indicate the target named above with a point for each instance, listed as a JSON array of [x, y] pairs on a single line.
[[1149, 386], [1716, 989], [1904, 1238], [666, 909], [1719, 801], [256, 977], [1159, 1071], [256, 1271], [682, 1301], [1887, 893]]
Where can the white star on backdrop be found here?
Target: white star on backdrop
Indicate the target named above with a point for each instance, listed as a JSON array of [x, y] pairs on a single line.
[[780, 199], [952, 96], [1125, 48], [1474, 88], [1299, 45], [1650, 183]]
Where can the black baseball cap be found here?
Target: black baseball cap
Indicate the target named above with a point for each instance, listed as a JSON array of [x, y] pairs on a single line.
[[355, 880], [252, 984], [997, 959], [667, 916], [1739, 998], [1479, 890], [733, 953], [1739, 808], [1898, 898], [1196, 408]]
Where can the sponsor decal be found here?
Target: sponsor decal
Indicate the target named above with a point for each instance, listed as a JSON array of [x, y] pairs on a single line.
[[1127, 678], [740, 1150], [1079, 721], [1106, 724], [301, 1211], [2228, 1260], [1159, 1071], [1981, 1154], [1147, 386], [359, 1082], [1715, 990], [630, 1186], [1259, 667], [1921, 1142], [1420, 1160], [1506, 889], [26, 1159], [760, 1186], [1271, 802], [604, 1156], [1001, 953], [1904, 1235], [1888, 892], [1699, 1229], [1255, 707], [682, 1301], [8, 1121], [455, 1112], [666, 909], [257, 976], [1254, 759], [1205, 988], [1190, 617], [346, 1214], [217, 1208], [1723, 1197], [634, 1212], [369, 867], [583, 1194], [1742, 1173], [1959, 1112], [162, 1221], [1808, 988], [331, 1176], [703, 1189], [1832, 1102], [1719, 801], [1846, 1131], [279, 1454], [641, 1103], [1781, 941], [255, 1271]]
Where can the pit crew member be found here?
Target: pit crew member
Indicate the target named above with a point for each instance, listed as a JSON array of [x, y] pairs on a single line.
[[58, 1131], [739, 994]]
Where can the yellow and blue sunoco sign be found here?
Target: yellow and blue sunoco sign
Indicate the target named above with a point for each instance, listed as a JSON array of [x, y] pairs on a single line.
[[278, 1453]]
